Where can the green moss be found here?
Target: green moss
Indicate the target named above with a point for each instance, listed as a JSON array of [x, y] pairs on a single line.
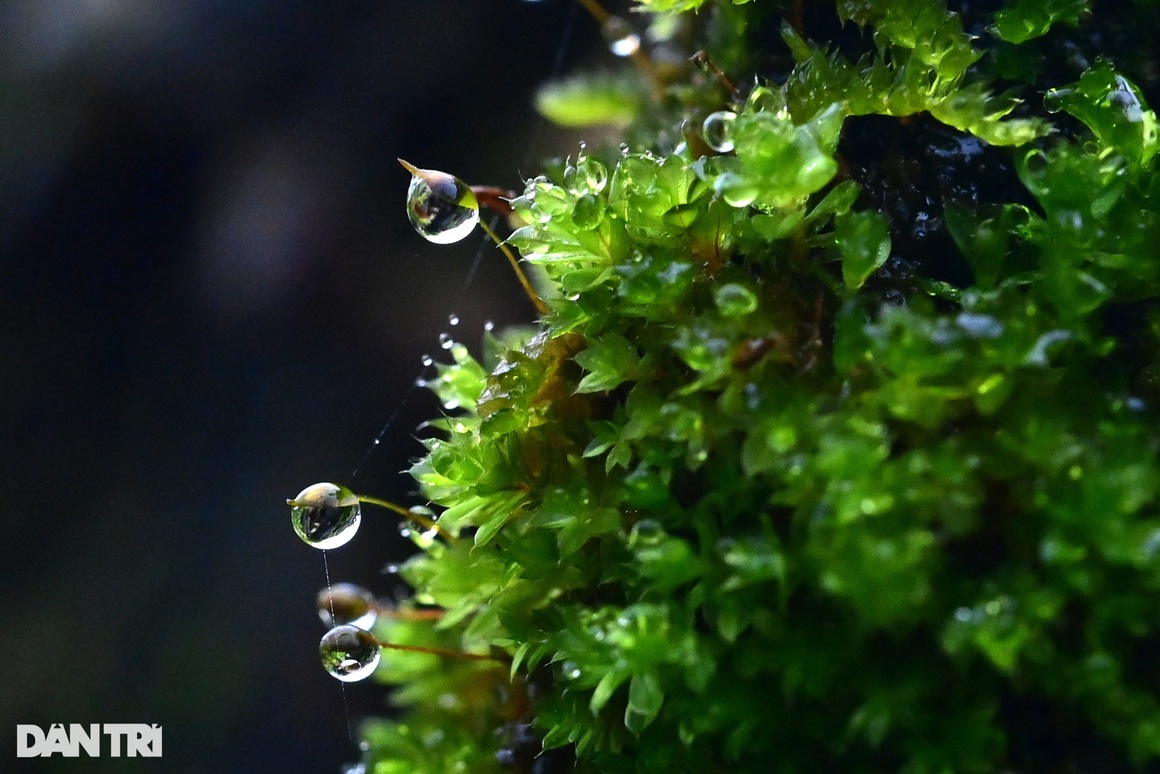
[[836, 451]]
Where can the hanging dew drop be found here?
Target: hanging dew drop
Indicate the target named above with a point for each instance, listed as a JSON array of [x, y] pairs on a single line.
[[347, 603], [453, 320], [427, 361], [325, 515], [718, 130], [621, 38], [442, 208], [445, 341], [349, 653]]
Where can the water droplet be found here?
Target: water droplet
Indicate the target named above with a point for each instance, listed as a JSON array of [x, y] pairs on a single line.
[[570, 670], [325, 515], [453, 319], [591, 175], [765, 100], [588, 212], [646, 532], [1053, 100], [718, 130], [735, 300], [624, 149], [349, 653], [407, 527], [427, 361], [735, 190], [445, 341], [442, 208], [357, 768], [489, 326], [351, 604], [391, 569], [451, 405], [621, 38]]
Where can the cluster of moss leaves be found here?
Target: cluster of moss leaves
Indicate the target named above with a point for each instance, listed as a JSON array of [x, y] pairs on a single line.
[[769, 489]]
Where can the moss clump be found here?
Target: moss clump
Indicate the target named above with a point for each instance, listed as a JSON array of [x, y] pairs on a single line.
[[837, 450]]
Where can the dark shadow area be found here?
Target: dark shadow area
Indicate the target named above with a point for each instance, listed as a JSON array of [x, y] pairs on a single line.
[[211, 298]]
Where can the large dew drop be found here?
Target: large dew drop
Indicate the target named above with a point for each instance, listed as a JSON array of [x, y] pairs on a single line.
[[442, 208], [349, 653], [717, 130], [346, 603], [325, 515]]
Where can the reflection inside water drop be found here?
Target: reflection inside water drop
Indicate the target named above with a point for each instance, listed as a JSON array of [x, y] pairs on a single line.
[[347, 603], [349, 653], [717, 130], [325, 515], [442, 208]]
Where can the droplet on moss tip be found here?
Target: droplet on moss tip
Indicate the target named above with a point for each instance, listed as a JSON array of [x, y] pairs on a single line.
[[348, 604], [441, 207], [349, 653], [717, 130], [325, 515]]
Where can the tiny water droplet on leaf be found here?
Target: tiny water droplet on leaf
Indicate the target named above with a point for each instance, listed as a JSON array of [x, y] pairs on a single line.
[[734, 300]]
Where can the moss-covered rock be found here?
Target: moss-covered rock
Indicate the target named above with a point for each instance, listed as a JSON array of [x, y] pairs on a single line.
[[837, 448]]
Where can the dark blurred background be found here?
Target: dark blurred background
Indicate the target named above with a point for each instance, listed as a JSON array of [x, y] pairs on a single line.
[[210, 297]]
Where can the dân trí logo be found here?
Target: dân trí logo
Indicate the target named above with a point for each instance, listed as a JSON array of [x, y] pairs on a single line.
[[130, 740]]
